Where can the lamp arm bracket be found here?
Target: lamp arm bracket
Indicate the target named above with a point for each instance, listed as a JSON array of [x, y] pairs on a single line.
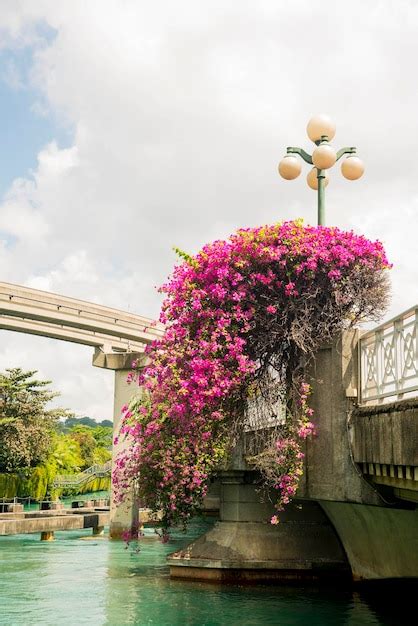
[[343, 151], [305, 156]]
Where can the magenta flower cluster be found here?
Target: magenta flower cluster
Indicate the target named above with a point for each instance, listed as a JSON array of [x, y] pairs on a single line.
[[178, 428]]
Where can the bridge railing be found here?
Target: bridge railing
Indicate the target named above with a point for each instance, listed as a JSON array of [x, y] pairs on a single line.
[[72, 480], [389, 360]]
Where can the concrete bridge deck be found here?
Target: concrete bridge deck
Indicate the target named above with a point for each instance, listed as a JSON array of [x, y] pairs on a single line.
[[47, 522], [36, 312]]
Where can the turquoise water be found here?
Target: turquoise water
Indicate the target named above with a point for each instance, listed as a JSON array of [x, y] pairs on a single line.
[[78, 579]]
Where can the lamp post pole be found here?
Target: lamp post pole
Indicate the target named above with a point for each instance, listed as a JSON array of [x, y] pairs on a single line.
[[321, 130], [321, 197]]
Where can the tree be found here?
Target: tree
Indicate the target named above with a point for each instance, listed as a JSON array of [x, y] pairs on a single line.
[[94, 443], [83, 435], [68, 424], [103, 436], [26, 425]]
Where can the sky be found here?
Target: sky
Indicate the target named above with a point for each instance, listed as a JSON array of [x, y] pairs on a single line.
[[129, 127]]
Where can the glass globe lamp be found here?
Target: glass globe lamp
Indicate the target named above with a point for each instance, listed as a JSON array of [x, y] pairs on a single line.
[[319, 126], [290, 167], [312, 179], [324, 156], [352, 168]]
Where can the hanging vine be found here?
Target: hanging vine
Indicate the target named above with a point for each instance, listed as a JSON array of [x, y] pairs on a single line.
[[243, 318]]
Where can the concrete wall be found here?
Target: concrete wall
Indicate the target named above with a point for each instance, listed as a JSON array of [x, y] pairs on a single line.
[[49, 521], [330, 472], [380, 542], [386, 433]]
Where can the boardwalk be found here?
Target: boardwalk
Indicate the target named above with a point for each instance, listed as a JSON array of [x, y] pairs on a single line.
[[46, 522]]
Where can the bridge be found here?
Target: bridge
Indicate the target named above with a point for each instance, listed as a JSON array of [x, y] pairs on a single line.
[[117, 337], [18, 522], [76, 480], [355, 515], [36, 312]]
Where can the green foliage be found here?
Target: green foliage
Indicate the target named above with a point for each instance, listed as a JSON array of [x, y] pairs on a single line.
[[37, 485], [86, 442], [83, 421], [26, 424], [35, 445], [185, 256], [95, 484], [78, 449], [34, 483], [103, 436], [9, 485], [102, 455], [65, 454]]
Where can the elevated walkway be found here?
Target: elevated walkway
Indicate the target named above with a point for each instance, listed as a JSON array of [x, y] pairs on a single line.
[[76, 480], [36, 312]]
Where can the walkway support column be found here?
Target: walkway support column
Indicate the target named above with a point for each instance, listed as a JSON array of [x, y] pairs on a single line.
[[123, 517], [47, 535]]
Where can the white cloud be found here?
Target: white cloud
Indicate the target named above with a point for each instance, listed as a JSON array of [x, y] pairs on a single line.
[[181, 112], [19, 217], [75, 269]]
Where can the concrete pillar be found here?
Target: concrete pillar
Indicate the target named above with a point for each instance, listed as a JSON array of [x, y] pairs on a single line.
[[47, 535], [123, 517], [330, 473], [15, 508], [244, 546]]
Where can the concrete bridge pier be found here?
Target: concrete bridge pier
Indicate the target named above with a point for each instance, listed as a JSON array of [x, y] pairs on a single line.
[[124, 516], [354, 516], [244, 546]]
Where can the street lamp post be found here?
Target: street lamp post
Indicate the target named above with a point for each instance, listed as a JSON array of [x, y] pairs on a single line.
[[321, 131]]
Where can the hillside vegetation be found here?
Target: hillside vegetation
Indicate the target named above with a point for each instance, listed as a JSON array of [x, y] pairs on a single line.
[[37, 443]]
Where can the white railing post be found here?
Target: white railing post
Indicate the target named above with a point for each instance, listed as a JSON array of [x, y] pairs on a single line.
[[72, 480], [389, 360]]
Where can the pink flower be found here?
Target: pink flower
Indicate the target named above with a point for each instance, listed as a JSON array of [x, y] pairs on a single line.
[[290, 289], [215, 310], [334, 274]]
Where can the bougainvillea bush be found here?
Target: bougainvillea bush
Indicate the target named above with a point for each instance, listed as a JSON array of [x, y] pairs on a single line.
[[243, 316]]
